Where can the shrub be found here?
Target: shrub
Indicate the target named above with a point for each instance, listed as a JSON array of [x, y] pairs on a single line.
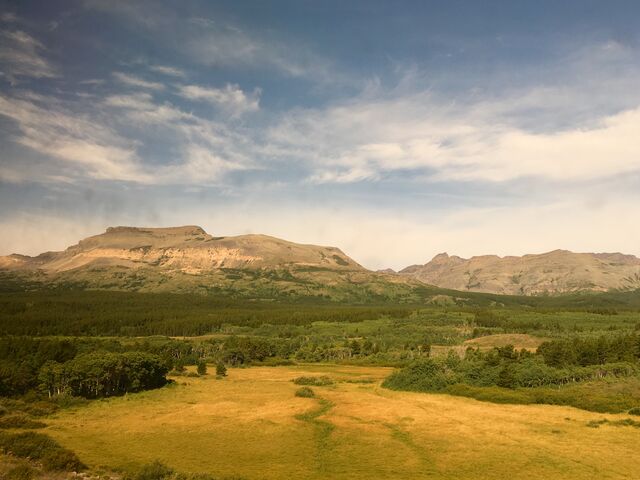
[[21, 472], [202, 368], [423, 376], [27, 445], [36, 408], [20, 421], [322, 381], [305, 392], [634, 411], [277, 362], [38, 446], [61, 459], [153, 471], [221, 370]]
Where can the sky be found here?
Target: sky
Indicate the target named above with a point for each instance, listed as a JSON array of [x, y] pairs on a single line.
[[394, 130]]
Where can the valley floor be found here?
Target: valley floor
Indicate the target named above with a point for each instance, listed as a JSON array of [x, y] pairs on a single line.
[[251, 424]]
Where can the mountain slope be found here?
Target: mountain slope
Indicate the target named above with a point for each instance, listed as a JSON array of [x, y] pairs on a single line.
[[189, 249], [559, 271], [187, 259]]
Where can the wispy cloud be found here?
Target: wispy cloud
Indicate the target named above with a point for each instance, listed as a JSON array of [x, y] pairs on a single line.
[[21, 56], [88, 145], [579, 128], [230, 98], [223, 44], [8, 17], [85, 146], [166, 70], [138, 82]]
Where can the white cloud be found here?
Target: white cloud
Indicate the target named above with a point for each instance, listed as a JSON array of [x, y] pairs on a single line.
[[209, 149], [230, 98], [366, 138], [74, 139], [134, 81], [141, 107], [84, 147], [21, 56], [165, 70], [201, 166]]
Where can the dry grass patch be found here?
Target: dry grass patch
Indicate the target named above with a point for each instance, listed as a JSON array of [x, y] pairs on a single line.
[[251, 424], [520, 341]]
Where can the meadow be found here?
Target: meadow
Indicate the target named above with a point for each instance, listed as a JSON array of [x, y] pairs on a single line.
[[252, 425]]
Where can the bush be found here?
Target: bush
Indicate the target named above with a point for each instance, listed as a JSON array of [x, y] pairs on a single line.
[[322, 381], [423, 376], [221, 370], [153, 471], [36, 408], [159, 471], [202, 368], [634, 411], [305, 392], [27, 445], [20, 421], [61, 459], [21, 472], [276, 362], [38, 446]]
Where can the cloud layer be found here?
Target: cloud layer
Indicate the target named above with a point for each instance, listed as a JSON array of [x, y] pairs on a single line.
[[391, 142]]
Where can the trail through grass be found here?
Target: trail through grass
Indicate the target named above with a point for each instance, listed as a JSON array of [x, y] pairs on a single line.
[[323, 431], [252, 425]]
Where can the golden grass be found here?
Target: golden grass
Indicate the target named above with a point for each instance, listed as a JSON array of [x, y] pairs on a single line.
[[518, 340], [251, 424]]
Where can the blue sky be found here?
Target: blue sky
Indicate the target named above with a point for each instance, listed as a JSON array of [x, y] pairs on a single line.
[[394, 130]]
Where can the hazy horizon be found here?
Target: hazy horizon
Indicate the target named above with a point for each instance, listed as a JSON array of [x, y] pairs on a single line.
[[394, 131]]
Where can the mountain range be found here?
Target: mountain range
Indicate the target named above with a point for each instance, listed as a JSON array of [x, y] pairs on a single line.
[[189, 259], [559, 271]]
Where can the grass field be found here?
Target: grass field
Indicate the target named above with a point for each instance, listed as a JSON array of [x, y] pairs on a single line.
[[251, 424], [520, 341]]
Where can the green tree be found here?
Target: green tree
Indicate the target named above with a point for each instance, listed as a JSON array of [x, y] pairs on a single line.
[[202, 367]]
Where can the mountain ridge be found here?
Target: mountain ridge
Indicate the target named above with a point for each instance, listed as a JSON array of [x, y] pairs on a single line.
[[554, 272], [187, 258], [187, 248]]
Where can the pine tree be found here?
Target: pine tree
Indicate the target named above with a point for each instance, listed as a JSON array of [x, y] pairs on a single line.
[[202, 367]]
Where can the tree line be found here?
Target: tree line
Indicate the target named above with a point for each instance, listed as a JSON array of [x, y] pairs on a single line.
[[557, 362], [84, 368]]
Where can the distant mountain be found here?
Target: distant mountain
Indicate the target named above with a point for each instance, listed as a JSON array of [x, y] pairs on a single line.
[[188, 249], [559, 271], [187, 259]]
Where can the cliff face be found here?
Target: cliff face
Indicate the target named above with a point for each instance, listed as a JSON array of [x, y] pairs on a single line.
[[559, 271]]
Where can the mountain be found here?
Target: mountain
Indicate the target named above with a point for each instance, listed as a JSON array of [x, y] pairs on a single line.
[[188, 249], [187, 259], [559, 271]]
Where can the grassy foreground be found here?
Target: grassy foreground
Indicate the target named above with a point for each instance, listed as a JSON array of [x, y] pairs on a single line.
[[251, 424]]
